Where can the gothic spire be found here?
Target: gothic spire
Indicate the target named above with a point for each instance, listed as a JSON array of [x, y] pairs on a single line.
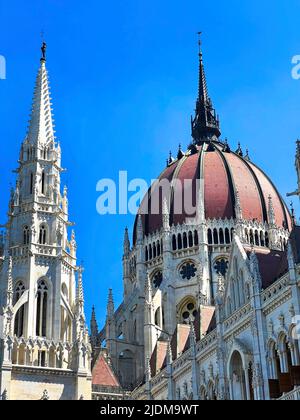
[[205, 124], [110, 305], [93, 324], [79, 292], [126, 244], [41, 127]]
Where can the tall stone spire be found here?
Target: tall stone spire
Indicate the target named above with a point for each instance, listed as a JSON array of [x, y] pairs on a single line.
[[110, 305], [93, 324], [94, 329], [205, 125], [41, 124], [126, 244]]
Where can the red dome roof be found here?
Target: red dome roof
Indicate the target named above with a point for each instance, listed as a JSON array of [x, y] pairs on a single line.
[[223, 174]]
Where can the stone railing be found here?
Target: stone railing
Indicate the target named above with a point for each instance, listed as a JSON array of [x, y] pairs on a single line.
[[237, 316], [291, 396], [19, 251], [41, 352], [275, 289]]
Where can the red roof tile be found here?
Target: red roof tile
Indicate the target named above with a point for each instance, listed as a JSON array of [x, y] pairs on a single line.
[[103, 375]]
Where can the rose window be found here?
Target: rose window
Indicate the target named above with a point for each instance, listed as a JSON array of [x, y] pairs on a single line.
[[188, 271]]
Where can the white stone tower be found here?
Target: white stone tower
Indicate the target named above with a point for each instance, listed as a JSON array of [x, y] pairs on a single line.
[[44, 342]]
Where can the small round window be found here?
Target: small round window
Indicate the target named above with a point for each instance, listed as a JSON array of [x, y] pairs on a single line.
[[188, 271], [188, 312]]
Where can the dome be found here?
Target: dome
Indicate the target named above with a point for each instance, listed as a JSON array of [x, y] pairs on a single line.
[[224, 174], [221, 183]]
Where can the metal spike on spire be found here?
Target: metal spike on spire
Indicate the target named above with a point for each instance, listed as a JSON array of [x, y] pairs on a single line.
[[41, 124], [205, 125]]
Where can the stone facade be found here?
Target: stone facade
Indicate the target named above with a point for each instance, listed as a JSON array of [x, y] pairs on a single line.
[[44, 341], [210, 301]]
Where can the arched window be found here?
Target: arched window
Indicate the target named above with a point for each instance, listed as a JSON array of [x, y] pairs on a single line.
[[154, 250], [43, 235], [262, 239], [196, 240], [209, 237], [31, 183], [146, 254], [179, 241], [174, 245], [185, 244], [41, 309], [267, 240], [237, 378], [221, 233], [251, 238], [158, 248], [19, 318], [158, 318], [187, 311], [227, 236], [256, 238], [26, 235], [216, 238], [190, 239], [43, 182], [150, 252]]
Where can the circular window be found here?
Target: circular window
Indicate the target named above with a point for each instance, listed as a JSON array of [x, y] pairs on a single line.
[[188, 312], [188, 271], [221, 266]]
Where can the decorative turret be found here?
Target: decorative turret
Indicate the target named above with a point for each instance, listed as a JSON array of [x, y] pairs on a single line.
[[205, 125], [149, 322], [110, 305], [238, 208], [126, 244], [255, 273], [139, 231], [239, 150], [271, 212], [94, 329], [166, 215]]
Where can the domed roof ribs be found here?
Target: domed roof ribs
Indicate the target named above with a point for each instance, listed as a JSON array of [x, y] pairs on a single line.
[[260, 191], [205, 124]]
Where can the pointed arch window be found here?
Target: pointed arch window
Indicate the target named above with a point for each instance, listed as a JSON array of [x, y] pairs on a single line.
[[26, 235], [43, 235], [31, 183], [43, 182], [19, 317], [41, 309]]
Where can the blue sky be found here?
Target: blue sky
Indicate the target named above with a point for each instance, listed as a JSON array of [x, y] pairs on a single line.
[[124, 82]]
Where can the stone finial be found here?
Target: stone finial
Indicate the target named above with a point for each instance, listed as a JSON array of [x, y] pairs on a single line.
[[165, 214], [238, 207], [126, 243], [271, 212], [139, 231], [255, 271], [110, 304], [4, 396], [45, 395]]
